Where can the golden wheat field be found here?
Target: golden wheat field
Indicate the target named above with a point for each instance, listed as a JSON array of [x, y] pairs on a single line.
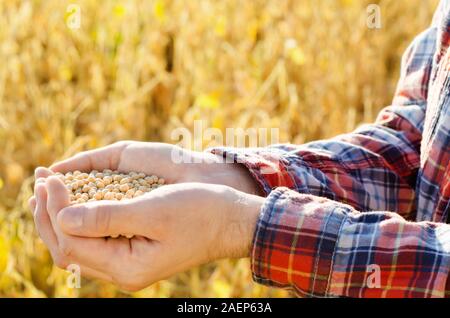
[[139, 69]]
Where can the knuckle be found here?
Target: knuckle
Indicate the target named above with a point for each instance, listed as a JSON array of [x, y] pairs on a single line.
[[102, 220], [37, 183]]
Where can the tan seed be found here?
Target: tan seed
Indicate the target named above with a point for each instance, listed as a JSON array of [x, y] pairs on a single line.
[[107, 180], [124, 180], [109, 196], [124, 187], [108, 185], [98, 196], [138, 193]]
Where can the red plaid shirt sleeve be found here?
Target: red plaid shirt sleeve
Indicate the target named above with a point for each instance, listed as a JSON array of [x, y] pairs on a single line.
[[321, 248], [323, 230]]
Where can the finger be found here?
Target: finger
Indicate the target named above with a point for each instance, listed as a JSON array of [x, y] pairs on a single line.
[[45, 229], [48, 236], [108, 218], [32, 204], [38, 181], [42, 221], [58, 197], [42, 172], [46, 233], [104, 255], [93, 253], [64, 249], [103, 158]]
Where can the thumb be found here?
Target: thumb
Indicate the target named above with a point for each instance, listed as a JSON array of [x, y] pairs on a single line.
[[104, 218]]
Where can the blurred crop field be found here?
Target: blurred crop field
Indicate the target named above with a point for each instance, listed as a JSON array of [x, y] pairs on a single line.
[[139, 69]]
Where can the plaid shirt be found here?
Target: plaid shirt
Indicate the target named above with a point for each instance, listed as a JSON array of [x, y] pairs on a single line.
[[325, 229]]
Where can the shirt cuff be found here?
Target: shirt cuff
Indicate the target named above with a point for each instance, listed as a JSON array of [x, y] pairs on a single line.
[[266, 165], [294, 242]]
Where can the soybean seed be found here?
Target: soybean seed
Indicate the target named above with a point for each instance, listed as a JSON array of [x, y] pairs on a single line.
[[108, 185], [124, 187]]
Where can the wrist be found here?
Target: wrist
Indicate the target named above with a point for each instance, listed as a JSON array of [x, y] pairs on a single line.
[[240, 224], [234, 175], [242, 179]]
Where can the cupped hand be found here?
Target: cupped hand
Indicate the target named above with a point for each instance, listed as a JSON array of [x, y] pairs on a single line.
[[176, 227], [174, 164]]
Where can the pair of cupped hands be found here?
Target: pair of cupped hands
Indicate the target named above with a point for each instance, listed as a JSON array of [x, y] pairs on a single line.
[[208, 211]]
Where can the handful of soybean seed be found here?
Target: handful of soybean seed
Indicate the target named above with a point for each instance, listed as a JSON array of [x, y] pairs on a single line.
[[108, 185]]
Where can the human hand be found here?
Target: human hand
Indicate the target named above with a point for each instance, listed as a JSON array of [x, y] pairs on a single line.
[[163, 160], [176, 227]]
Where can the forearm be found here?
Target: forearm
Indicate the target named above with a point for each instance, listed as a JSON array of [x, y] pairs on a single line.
[[240, 225], [215, 169]]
